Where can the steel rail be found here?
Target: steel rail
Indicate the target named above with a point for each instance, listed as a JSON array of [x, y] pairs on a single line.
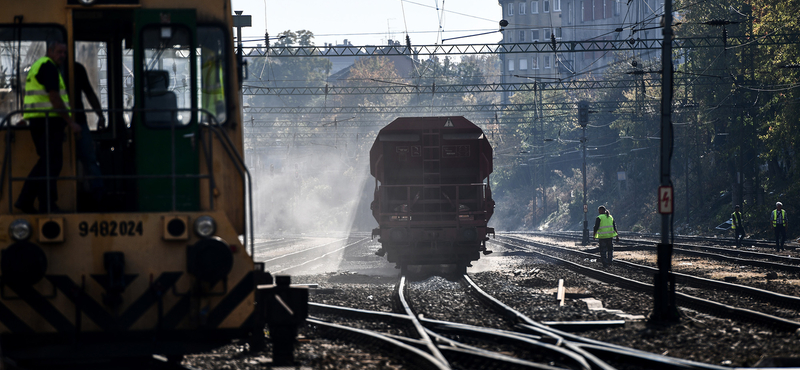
[[303, 251], [724, 254], [736, 260], [518, 317], [400, 300], [686, 238], [555, 349], [723, 241], [603, 350], [613, 352], [484, 359], [531, 330], [682, 298], [308, 256], [700, 238], [401, 351], [277, 243], [766, 295], [326, 309], [434, 326], [456, 350]]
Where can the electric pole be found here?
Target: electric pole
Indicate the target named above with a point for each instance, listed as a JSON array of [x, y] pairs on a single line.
[[583, 120], [665, 310]]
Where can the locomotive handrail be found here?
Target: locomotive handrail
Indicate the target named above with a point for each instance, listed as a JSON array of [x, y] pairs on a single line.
[[5, 123], [173, 176], [222, 135], [7, 156], [243, 171], [410, 216]]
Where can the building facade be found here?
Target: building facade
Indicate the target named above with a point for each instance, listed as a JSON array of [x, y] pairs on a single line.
[[549, 21]]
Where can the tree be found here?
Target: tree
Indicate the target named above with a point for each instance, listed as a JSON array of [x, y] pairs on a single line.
[[266, 71]]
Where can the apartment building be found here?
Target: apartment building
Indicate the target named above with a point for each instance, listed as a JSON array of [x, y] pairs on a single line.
[[574, 20]]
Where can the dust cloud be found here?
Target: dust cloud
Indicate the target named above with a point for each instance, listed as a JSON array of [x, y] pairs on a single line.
[[308, 190]]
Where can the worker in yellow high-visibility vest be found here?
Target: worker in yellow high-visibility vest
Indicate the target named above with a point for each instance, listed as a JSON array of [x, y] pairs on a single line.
[[605, 229], [212, 86], [46, 107], [779, 223]]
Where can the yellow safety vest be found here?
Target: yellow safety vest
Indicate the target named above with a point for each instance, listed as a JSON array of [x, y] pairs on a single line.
[[37, 102], [736, 219], [606, 229], [212, 86], [775, 217]]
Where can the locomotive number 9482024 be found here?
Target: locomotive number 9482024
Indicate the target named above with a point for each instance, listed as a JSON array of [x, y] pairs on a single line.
[[111, 228]]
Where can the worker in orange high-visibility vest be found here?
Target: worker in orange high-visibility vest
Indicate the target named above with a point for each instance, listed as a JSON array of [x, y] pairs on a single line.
[[605, 229]]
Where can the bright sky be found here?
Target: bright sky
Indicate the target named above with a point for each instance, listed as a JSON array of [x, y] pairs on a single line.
[[373, 22]]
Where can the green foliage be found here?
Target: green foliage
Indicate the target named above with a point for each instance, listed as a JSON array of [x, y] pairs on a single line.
[[287, 72], [735, 125], [372, 71]]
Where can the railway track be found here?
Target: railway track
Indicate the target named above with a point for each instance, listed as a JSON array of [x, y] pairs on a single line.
[[680, 241], [307, 257], [732, 257], [451, 345], [694, 239], [434, 337], [354, 321], [642, 283]]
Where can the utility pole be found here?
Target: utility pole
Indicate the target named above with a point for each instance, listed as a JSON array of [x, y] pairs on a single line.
[[583, 120], [665, 310], [240, 21]]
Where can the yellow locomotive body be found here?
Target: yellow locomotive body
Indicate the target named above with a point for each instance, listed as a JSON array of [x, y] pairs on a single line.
[[160, 264]]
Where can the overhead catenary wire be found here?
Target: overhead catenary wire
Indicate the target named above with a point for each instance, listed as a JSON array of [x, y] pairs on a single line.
[[707, 69]]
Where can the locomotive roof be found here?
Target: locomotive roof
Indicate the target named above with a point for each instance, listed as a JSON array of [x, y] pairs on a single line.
[[426, 123]]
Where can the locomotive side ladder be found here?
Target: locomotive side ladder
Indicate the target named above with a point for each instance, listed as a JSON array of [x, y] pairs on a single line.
[[431, 172]]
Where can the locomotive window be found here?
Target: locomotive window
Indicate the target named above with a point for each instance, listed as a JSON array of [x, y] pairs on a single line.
[[22, 45], [399, 137], [167, 76], [127, 82], [212, 60], [463, 136]]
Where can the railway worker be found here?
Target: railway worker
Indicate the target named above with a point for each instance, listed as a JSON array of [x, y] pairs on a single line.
[[779, 224], [46, 107], [84, 144], [737, 226], [605, 229], [212, 85]]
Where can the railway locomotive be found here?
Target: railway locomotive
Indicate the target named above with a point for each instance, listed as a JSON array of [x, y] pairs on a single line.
[[432, 196], [159, 265]]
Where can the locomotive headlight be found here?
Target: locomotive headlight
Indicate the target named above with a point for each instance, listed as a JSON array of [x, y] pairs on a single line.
[[205, 226], [20, 230]]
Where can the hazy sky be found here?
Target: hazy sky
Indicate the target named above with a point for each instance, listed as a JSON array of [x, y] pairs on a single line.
[[372, 22]]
